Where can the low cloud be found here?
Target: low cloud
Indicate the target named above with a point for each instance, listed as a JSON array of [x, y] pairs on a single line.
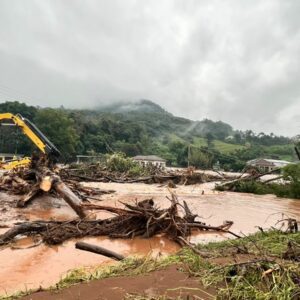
[[235, 61]]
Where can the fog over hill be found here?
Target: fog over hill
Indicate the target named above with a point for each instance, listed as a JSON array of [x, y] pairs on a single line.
[[143, 127], [235, 61], [141, 105]]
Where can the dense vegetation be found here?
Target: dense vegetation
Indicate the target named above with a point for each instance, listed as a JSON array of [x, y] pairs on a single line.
[[143, 128]]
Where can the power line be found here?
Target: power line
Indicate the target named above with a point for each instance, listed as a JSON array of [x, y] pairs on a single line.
[[7, 92]]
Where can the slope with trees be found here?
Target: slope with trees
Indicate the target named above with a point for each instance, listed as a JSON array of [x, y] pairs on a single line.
[[143, 127]]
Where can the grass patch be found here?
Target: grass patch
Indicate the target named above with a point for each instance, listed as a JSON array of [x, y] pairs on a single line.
[[259, 279], [227, 148], [223, 147], [271, 243], [128, 267], [269, 277]]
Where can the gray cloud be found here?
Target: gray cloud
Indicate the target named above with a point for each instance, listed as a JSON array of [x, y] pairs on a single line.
[[236, 61]]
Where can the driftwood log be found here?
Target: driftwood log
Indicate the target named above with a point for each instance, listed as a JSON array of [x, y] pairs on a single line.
[[66, 193], [98, 250]]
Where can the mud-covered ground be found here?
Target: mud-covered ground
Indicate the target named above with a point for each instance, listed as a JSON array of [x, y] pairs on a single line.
[[169, 282], [25, 267]]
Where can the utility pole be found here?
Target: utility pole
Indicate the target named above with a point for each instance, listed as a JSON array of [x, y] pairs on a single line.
[[189, 154]]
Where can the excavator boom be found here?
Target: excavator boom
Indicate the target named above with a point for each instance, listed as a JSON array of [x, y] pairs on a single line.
[[34, 134]]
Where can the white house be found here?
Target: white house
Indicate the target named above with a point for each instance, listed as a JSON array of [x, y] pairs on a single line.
[[267, 165], [150, 159]]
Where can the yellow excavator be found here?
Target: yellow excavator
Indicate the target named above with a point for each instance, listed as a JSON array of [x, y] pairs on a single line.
[[34, 134]]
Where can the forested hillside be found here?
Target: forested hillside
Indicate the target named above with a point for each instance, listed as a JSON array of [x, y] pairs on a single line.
[[143, 127]]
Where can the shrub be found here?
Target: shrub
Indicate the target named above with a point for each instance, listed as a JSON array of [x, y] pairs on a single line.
[[118, 162], [292, 173], [281, 190]]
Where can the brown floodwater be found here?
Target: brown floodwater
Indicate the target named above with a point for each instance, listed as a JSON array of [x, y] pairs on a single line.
[[24, 268]]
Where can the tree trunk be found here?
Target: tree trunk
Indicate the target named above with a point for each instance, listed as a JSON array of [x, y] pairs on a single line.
[[98, 250], [65, 192]]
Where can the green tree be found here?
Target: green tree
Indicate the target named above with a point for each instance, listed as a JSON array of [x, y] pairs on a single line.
[[15, 107], [59, 128], [292, 173], [209, 137], [179, 151], [12, 140]]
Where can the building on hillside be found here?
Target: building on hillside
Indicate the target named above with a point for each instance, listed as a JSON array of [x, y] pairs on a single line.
[[267, 165], [150, 159], [229, 138]]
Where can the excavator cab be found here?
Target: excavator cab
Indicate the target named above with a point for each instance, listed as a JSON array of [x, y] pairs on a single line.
[[35, 135]]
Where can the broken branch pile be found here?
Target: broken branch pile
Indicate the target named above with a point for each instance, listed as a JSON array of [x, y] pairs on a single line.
[[143, 219], [99, 173], [39, 178], [233, 185]]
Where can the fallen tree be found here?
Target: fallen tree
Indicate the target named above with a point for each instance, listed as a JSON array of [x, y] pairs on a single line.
[[98, 250], [142, 219]]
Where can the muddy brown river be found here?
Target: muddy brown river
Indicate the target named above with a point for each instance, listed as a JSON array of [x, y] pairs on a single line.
[[23, 267]]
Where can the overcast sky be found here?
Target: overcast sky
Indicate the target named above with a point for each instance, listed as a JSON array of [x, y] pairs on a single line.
[[235, 61]]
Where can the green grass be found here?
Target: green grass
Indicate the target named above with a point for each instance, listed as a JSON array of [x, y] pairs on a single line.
[[268, 277], [269, 243], [284, 152], [223, 147], [129, 267], [249, 282], [227, 148], [199, 142], [230, 281]]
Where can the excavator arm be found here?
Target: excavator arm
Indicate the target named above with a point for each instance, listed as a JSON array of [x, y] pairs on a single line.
[[34, 134]]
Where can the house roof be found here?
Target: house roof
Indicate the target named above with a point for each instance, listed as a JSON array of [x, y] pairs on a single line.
[[148, 158], [270, 162]]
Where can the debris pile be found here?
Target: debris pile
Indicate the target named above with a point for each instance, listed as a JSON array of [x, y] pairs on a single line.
[[99, 173], [41, 178], [140, 219], [232, 185], [143, 219]]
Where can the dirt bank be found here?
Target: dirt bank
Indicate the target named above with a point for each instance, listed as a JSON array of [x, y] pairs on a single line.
[[169, 282]]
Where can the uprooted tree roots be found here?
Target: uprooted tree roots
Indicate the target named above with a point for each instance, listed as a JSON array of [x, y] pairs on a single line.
[[143, 219]]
